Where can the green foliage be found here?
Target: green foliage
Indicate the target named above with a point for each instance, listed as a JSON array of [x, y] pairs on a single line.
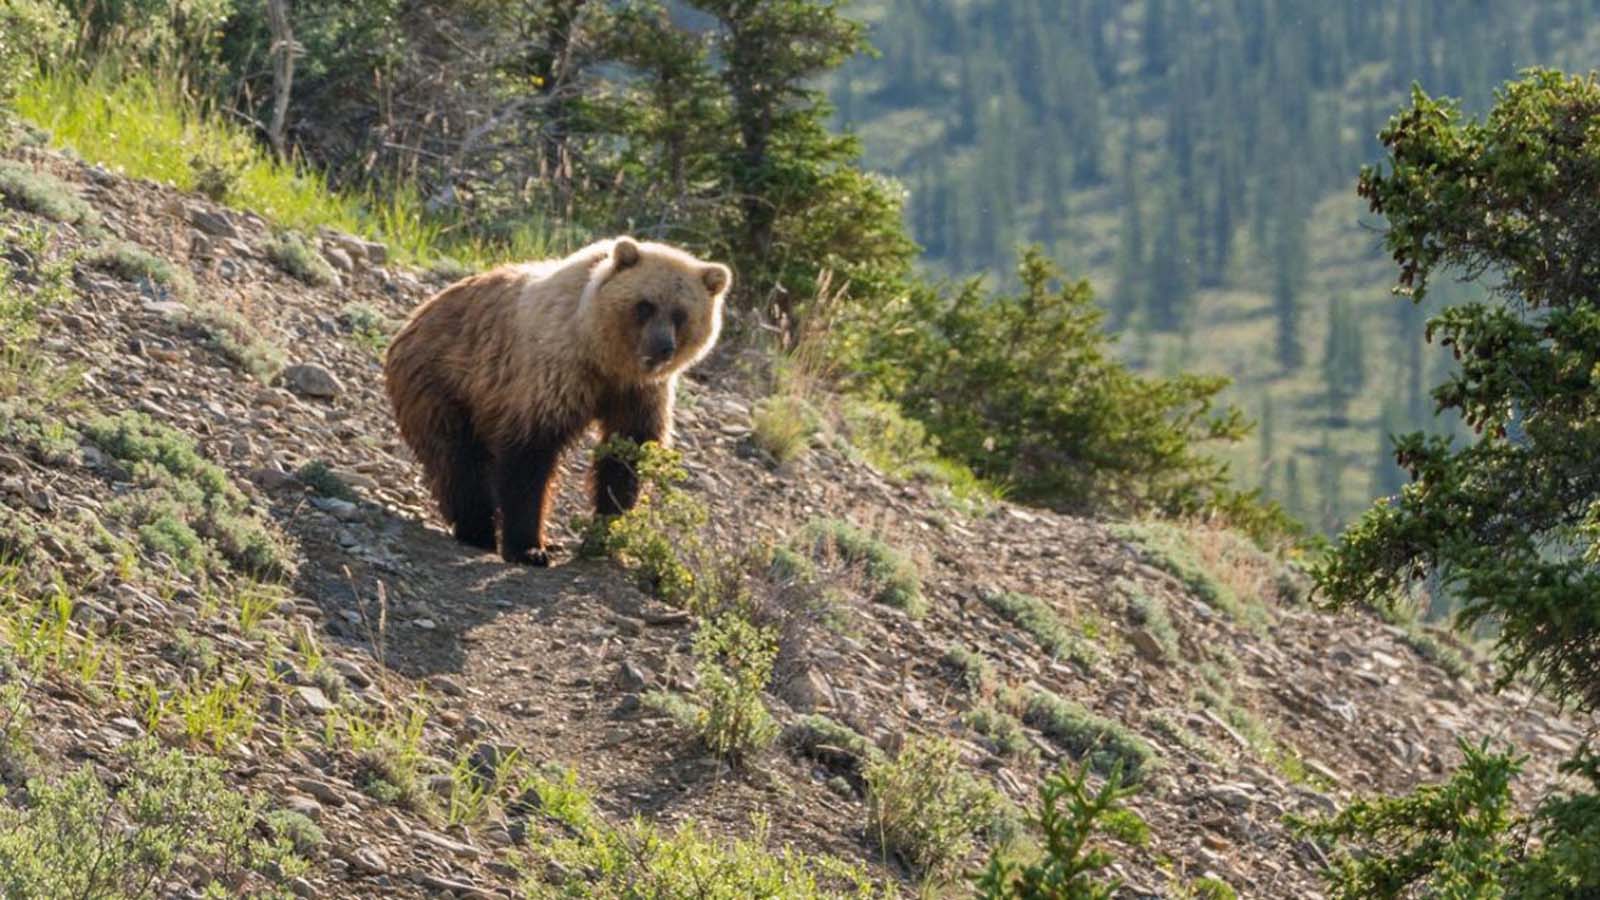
[[971, 670], [893, 576], [1150, 613], [131, 262], [299, 257], [1038, 619], [1025, 389], [32, 33], [818, 736], [238, 339], [171, 814], [46, 195], [659, 539], [297, 829], [323, 480], [784, 425], [923, 806], [733, 660], [1464, 838], [187, 507], [1225, 571], [1070, 816], [1004, 729], [901, 447], [1106, 746], [572, 852], [1510, 522], [367, 326]]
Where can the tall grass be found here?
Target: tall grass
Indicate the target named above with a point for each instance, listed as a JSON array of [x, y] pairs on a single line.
[[147, 128]]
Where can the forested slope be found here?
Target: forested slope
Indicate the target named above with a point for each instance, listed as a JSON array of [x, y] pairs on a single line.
[[1197, 162]]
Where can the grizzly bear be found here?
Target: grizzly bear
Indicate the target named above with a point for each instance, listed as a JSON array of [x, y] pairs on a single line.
[[492, 378]]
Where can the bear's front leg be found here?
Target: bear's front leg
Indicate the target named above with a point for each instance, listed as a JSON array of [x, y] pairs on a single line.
[[524, 480], [640, 415]]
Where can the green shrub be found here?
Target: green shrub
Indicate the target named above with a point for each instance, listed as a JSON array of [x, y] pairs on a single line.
[[1037, 618], [1223, 569], [299, 257], [297, 829], [1150, 613], [1069, 818], [187, 507], [171, 813], [923, 806], [1027, 390], [783, 426], [659, 539], [323, 481], [893, 576], [733, 660], [1465, 838], [970, 669], [369, 327], [814, 735], [1107, 745], [902, 448], [45, 195], [238, 339], [1007, 733], [32, 33], [130, 262]]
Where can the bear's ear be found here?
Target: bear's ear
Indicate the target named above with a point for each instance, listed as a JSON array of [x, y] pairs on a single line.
[[625, 253], [716, 278]]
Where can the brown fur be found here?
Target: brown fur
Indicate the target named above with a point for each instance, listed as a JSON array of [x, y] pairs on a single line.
[[494, 376]]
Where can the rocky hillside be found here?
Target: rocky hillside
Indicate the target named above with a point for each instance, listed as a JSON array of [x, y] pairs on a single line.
[[191, 412]]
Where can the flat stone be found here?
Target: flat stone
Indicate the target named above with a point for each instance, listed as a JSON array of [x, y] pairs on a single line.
[[1147, 644], [213, 222], [321, 790], [440, 842], [311, 380], [314, 699]]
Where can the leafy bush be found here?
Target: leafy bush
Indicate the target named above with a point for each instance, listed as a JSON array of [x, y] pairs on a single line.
[[999, 726], [733, 660], [188, 508], [171, 814], [659, 539], [923, 806], [1025, 388], [1107, 745], [1433, 649], [299, 257], [45, 195], [322, 480], [815, 735], [1038, 619], [238, 339], [891, 573], [902, 448], [131, 262], [1069, 817], [1464, 838], [971, 670]]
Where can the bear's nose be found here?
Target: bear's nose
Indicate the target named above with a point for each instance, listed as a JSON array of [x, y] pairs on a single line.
[[659, 350]]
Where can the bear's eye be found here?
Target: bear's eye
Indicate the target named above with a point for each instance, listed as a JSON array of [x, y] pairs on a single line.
[[643, 310], [678, 318]]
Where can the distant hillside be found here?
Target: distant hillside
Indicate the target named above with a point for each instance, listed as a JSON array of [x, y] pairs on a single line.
[[1197, 163]]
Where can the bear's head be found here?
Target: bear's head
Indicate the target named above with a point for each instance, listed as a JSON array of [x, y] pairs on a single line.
[[653, 309]]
